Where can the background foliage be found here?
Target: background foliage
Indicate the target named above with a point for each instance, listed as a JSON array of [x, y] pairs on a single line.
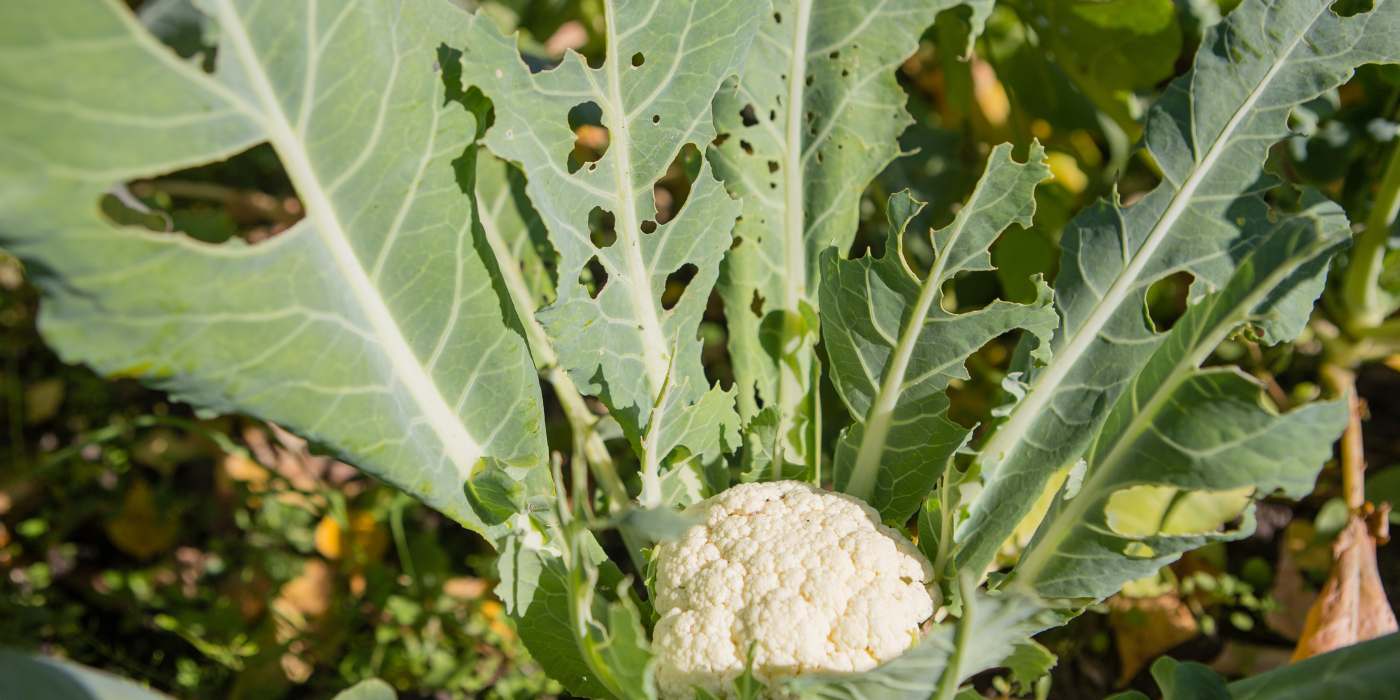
[[223, 557]]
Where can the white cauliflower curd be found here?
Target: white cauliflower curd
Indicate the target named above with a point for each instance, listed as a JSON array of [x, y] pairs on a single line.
[[812, 576]]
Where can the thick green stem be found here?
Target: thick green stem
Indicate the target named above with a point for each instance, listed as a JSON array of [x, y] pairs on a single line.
[[581, 419], [1361, 280], [948, 685]]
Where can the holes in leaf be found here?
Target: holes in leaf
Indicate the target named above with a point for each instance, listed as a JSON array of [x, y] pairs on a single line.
[[819, 157], [719, 140], [811, 79], [676, 282], [747, 115], [673, 189], [756, 306], [248, 196], [777, 18], [1166, 300], [834, 55], [656, 119], [638, 59], [772, 115], [748, 147], [592, 137], [772, 166], [593, 277], [1350, 8], [648, 226], [845, 73], [602, 228]]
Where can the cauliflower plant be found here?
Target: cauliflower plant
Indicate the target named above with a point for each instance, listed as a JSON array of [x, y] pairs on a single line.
[[812, 576]]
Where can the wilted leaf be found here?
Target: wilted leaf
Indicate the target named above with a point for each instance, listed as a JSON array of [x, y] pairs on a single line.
[[139, 528], [42, 399], [1352, 606], [1144, 628]]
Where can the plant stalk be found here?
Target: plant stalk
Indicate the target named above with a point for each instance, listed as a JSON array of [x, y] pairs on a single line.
[[1361, 279], [1342, 382]]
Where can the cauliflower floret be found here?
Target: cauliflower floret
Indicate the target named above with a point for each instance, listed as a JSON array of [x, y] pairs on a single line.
[[812, 576]]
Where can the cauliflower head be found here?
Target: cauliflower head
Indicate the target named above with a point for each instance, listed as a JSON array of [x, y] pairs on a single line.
[[811, 576]]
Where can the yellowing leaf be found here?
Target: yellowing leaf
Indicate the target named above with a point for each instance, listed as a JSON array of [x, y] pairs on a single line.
[[1147, 510], [42, 399], [1144, 628], [138, 529], [247, 471], [1066, 171], [365, 543]]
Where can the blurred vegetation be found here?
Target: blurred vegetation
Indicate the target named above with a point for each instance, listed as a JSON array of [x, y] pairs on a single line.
[[218, 556]]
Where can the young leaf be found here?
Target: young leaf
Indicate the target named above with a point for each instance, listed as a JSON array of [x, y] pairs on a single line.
[[1028, 662], [372, 325], [494, 496], [1188, 681], [745, 684], [814, 117], [1184, 449], [1209, 134], [763, 449], [664, 63], [894, 348]]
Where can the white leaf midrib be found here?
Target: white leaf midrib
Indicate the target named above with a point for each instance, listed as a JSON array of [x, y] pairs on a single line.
[[1010, 435], [461, 449], [1046, 545], [880, 418], [656, 352]]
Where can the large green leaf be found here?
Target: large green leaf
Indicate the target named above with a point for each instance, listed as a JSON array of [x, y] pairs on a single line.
[[813, 119], [1185, 449], [1209, 134], [664, 63], [894, 348], [372, 326], [988, 633], [1366, 670], [32, 677]]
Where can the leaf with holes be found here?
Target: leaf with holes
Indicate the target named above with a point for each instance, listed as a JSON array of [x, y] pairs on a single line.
[[812, 121], [664, 63], [373, 325], [1185, 450], [894, 348], [1210, 134]]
